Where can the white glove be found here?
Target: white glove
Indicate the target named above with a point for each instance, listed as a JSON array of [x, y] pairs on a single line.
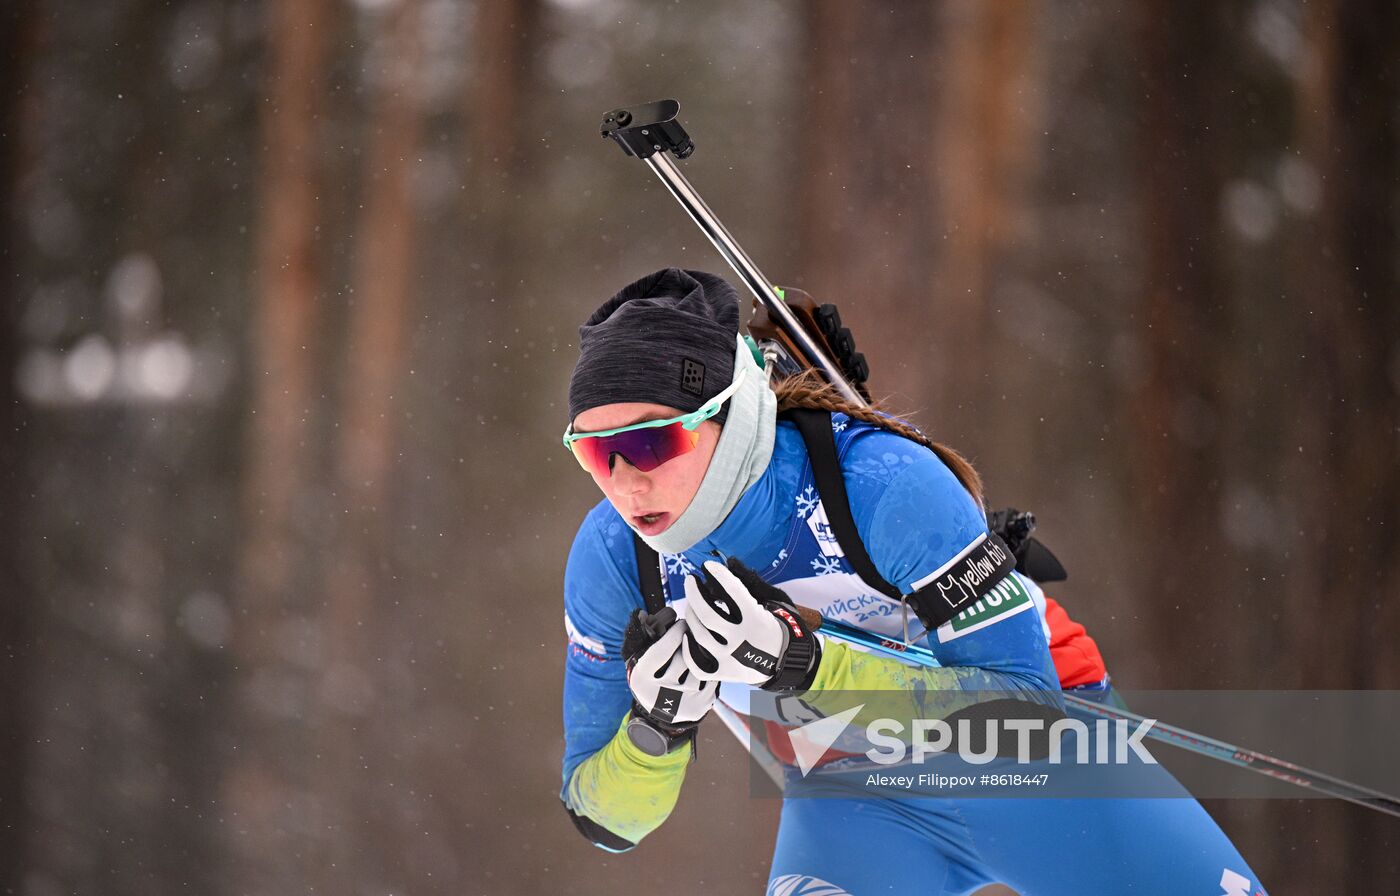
[[665, 690], [742, 629]]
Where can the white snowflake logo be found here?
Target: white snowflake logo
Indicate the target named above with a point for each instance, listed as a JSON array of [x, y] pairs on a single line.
[[803, 885], [782, 555], [826, 566], [839, 425], [807, 502], [677, 565]]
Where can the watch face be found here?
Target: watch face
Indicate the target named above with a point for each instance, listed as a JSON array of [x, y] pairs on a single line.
[[647, 739]]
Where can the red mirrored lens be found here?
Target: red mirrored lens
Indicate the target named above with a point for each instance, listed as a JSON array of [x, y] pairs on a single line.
[[645, 449]]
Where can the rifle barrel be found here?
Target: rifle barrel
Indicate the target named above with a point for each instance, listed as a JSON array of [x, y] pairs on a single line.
[[743, 265]]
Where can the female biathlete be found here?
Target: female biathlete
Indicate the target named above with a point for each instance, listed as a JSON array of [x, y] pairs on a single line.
[[672, 413]]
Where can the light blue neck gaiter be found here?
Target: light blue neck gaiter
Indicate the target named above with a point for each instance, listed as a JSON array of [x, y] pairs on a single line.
[[741, 455]]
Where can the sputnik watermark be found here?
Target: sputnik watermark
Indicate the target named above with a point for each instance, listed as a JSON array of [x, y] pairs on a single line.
[[893, 742], [891, 749]]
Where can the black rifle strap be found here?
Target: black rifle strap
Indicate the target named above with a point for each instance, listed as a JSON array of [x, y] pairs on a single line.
[[649, 575], [654, 595], [815, 427]]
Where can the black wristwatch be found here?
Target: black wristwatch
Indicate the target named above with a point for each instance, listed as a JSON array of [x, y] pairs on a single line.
[[801, 652], [652, 740]]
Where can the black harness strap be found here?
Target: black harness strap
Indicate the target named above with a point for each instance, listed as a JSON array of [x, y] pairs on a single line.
[[649, 575], [980, 569], [815, 427]]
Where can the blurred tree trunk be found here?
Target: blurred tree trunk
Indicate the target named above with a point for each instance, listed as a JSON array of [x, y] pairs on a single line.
[[1179, 409], [913, 197], [1352, 298], [828, 163], [280, 441], [497, 112], [290, 276], [866, 225], [18, 599], [985, 151], [503, 34], [384, 282], [1342, 607]]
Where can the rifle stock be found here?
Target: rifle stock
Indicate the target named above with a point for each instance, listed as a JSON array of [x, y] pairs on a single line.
[[822, 324]]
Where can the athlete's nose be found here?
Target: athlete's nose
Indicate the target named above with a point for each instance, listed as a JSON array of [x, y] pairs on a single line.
[[627, 479]]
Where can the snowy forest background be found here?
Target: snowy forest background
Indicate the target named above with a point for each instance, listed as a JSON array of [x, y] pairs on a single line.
[[290, 298]]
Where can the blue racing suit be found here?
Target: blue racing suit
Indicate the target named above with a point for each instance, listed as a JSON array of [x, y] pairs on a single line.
[[914, 517]]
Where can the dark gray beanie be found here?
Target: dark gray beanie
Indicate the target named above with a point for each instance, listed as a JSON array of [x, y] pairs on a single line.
[[666, 339]]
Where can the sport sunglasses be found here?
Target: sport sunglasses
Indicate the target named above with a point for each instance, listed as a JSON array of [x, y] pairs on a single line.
[[646, 445]]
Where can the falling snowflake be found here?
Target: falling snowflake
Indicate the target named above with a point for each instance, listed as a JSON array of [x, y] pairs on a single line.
[[677, 565], [807, 502], [826, 566]]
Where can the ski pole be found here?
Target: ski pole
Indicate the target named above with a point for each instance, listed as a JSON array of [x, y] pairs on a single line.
[[1171, 734]]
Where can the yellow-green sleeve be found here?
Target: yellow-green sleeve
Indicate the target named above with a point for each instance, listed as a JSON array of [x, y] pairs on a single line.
[[625, 790], [888, 688]]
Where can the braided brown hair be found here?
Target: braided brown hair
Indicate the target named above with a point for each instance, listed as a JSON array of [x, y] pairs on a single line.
[[809, 390]]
